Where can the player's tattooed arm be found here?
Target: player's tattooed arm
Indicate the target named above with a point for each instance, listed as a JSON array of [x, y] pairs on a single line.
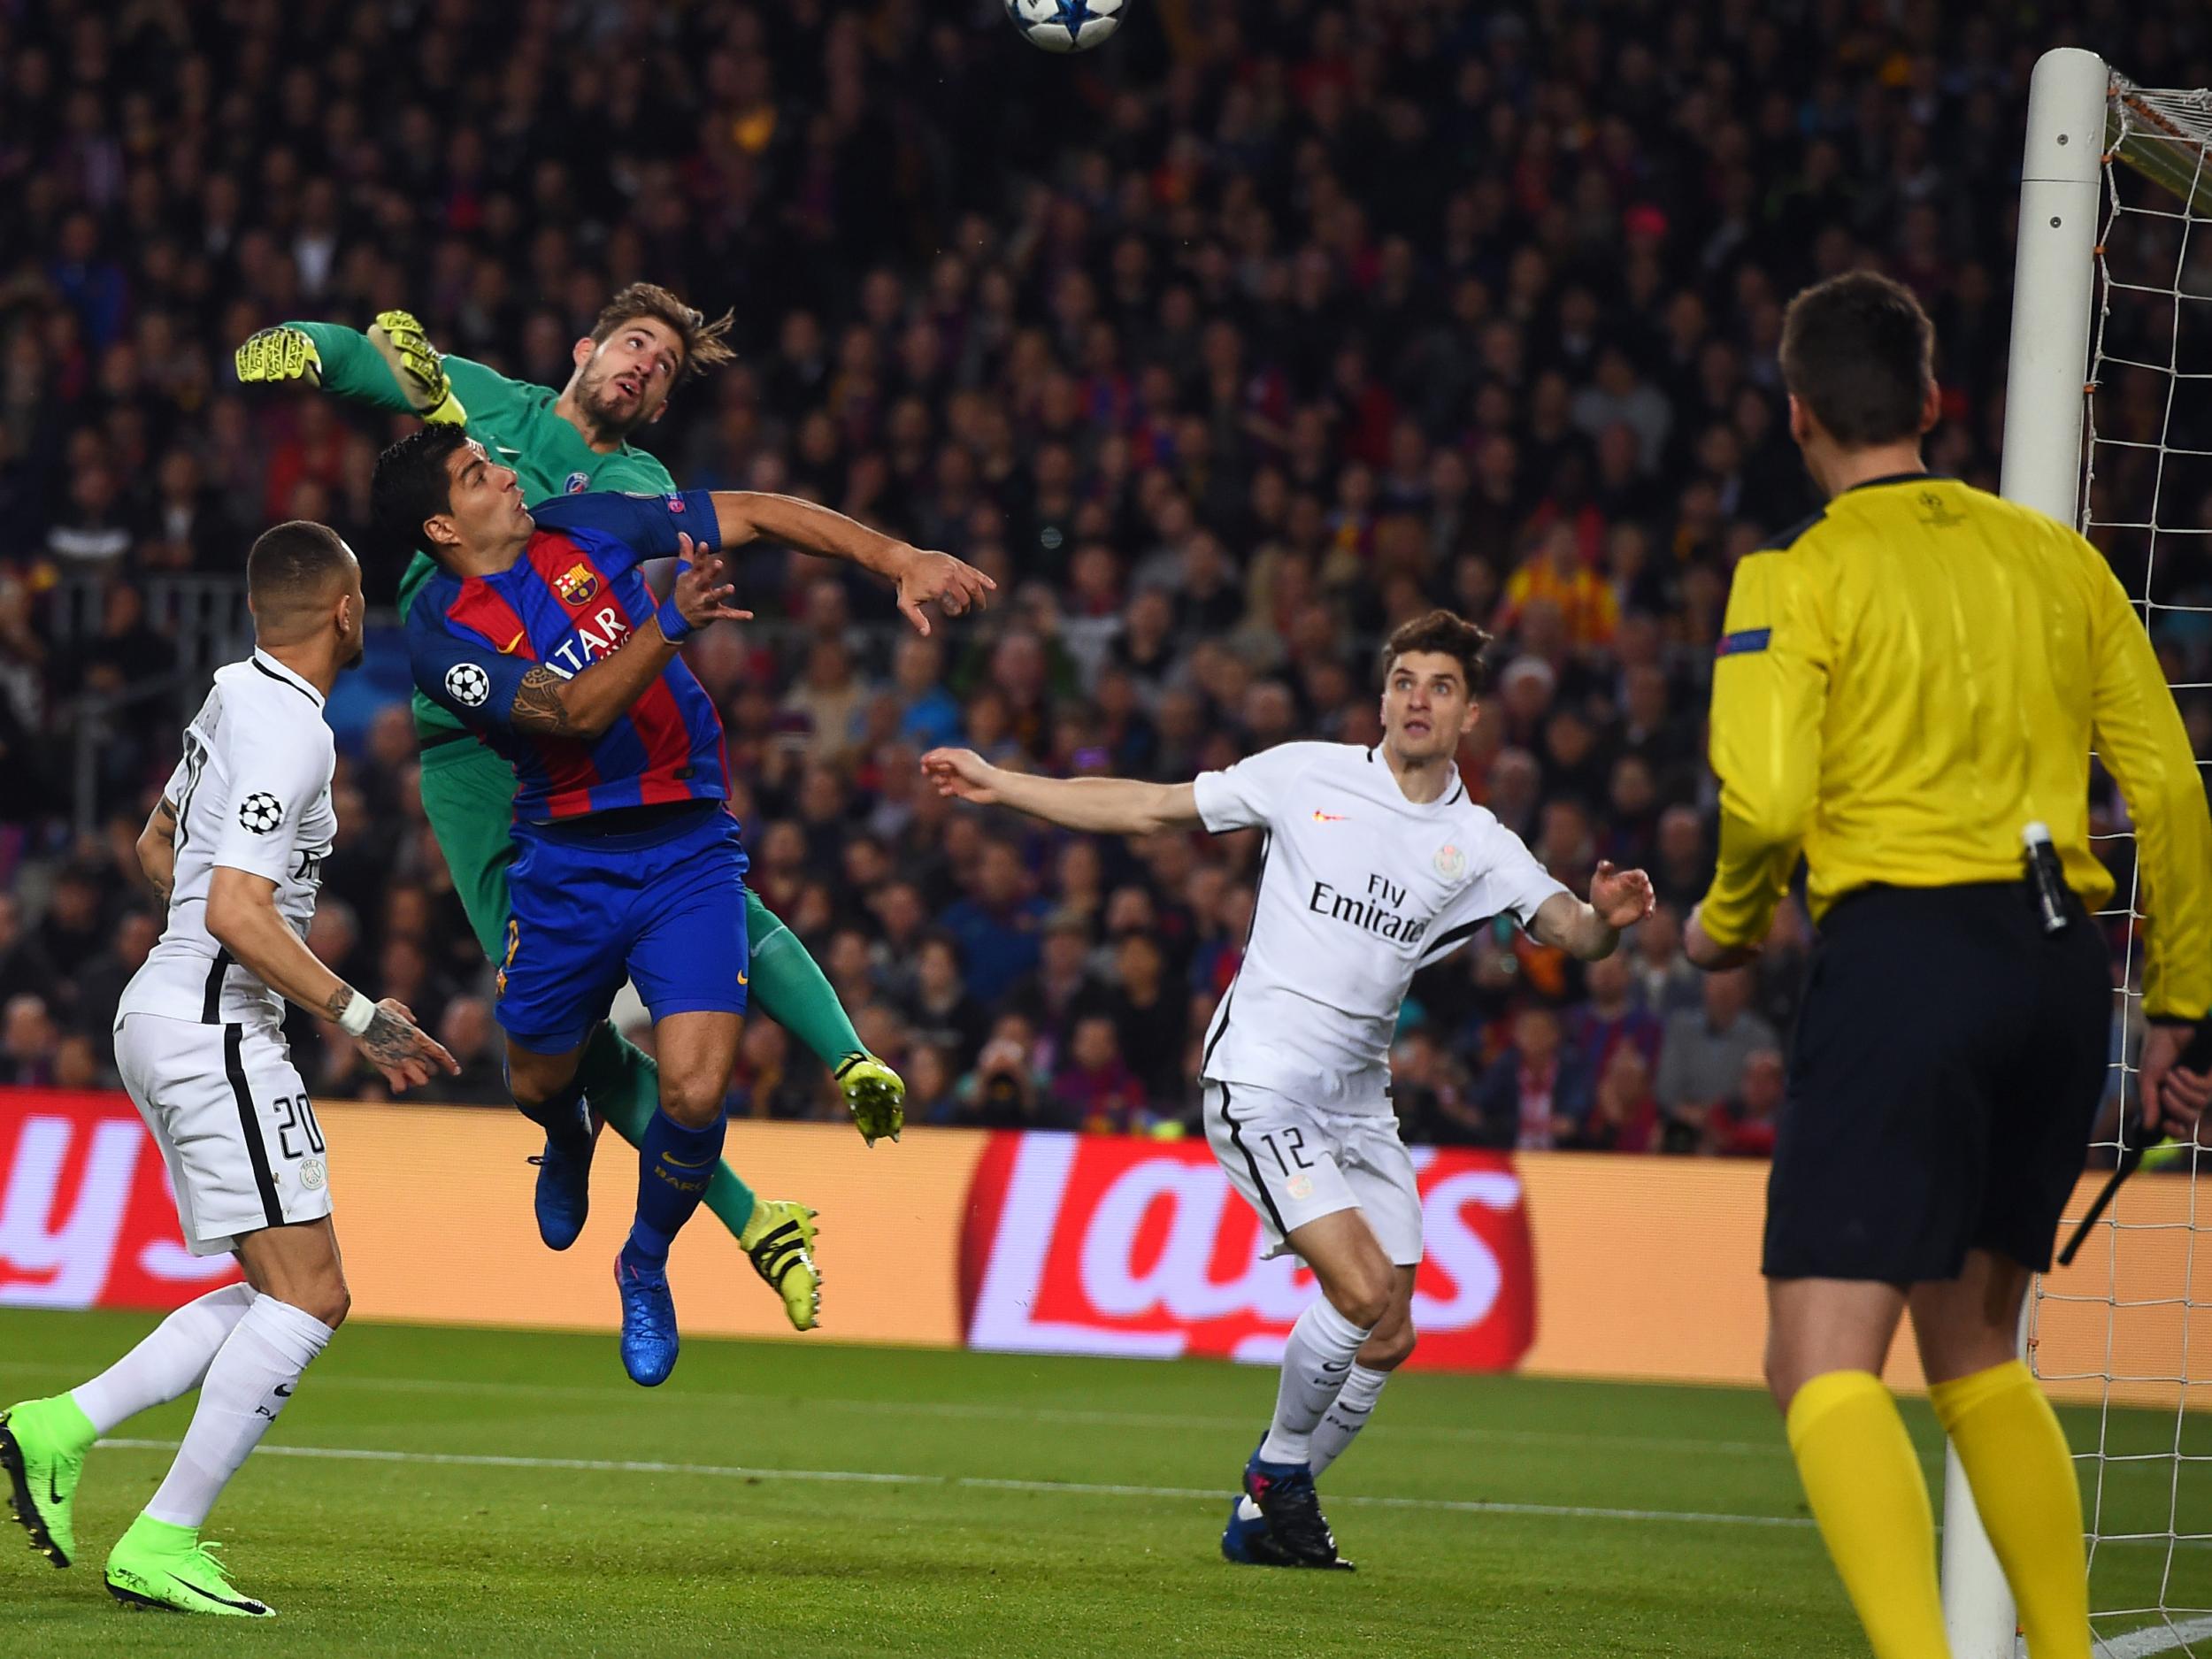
[[583, 706], [538, 706], [157, 848]]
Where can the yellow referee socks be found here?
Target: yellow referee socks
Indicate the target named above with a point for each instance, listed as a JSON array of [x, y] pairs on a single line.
[[1864, 1484], [2023, 1476]]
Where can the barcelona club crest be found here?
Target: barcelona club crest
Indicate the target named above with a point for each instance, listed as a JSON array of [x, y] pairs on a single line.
[[576, 585]]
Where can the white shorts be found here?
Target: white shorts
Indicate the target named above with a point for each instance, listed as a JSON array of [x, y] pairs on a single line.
[[234, 1124], [1296, 1164]]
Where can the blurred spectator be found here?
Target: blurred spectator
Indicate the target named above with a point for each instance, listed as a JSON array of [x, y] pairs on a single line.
[[1536, 1094], [995, 926], [1743, 1124], [472, 1039], [100, 987], [1095, 1091], [24, 967], [1612, 1017], [1623, 1112], [1666, 984], [28, 1037], [943, 1013], [1001, 1093], [1701, 1056]]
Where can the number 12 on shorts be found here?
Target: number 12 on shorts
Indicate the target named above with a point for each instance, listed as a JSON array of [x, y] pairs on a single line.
[[1295, 1138]]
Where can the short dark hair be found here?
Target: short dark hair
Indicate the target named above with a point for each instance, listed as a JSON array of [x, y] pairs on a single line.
[[705, 344], [1859, 353], [290, 567], [411, 485], [1447, 634]]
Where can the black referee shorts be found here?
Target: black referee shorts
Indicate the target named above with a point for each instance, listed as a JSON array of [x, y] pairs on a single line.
[[1949, 1061]]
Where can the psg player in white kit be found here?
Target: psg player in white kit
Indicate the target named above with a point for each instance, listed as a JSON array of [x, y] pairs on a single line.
[[236, 850], [1375, 864]]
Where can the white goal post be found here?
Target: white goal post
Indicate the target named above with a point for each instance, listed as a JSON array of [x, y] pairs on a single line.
[[2079, 214]]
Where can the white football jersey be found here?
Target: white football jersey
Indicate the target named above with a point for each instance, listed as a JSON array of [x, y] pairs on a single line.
[[253, 793], [1358, 888]]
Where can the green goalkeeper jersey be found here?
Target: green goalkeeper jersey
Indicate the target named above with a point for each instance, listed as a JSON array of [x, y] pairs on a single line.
[[514, 422]]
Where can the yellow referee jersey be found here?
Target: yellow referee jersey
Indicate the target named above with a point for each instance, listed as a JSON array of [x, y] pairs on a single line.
[[1910, 678]]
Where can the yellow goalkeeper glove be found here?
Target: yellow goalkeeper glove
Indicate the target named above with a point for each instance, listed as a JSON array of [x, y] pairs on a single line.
[[273, 356], [418, 366]]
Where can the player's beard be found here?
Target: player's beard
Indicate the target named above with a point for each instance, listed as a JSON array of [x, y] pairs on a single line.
[[605, 407]]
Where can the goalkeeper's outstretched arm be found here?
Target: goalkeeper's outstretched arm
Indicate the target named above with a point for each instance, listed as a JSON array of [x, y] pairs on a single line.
[[392, 366], [1105, 806]]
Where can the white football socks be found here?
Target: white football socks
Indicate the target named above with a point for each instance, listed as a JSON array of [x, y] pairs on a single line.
[[1346, 1416], [247, 1385], [1316, 1362], [171, 1361]]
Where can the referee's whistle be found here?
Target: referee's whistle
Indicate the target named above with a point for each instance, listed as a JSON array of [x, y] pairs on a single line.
[[2045, 876]]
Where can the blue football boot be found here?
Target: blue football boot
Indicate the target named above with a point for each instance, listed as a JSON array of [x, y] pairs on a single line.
[[563, 1198], [648, 1319]]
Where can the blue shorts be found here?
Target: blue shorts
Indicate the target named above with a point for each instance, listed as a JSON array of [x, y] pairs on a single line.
[[663, 906]]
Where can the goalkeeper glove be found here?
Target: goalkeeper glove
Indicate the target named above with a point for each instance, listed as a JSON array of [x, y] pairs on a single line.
[[418, 367], [273, 356]]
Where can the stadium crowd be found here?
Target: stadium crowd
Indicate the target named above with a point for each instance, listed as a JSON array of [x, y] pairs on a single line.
[[1296, 320]]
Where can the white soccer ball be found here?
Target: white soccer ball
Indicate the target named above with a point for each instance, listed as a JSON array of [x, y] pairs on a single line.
[[1064, 26]]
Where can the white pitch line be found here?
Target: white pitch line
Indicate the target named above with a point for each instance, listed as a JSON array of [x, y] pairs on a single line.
[[1074, 1488], [1000, 1413], [2155, 1638]]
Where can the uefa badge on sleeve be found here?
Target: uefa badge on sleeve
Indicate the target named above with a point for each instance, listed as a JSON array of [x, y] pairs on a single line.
[[260, 812], [468, 685]]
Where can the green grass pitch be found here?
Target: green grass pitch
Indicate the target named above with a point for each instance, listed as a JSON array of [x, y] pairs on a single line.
[[810, 1499]]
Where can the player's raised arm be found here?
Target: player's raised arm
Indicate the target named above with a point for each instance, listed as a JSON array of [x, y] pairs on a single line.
[[1109, 806], [392, 366], [922, 577], [487, 687]]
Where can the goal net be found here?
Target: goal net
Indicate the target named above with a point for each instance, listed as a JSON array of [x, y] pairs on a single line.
[[2110, 425]]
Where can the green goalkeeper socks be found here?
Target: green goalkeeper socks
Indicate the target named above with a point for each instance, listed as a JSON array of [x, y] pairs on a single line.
[[624, 1087], [787, 987]]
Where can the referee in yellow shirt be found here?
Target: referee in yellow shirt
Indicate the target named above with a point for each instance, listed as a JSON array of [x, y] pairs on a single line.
[[1904, 684]]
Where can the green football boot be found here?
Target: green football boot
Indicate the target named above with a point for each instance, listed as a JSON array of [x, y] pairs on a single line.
[[876, 1096], [778, 1240], [42, 1444], [166, 1567]]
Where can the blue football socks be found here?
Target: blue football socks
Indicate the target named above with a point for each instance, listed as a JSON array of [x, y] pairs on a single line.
[[674, 1165]]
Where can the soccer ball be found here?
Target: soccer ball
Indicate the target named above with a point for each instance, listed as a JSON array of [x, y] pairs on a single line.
[[1064, 26]]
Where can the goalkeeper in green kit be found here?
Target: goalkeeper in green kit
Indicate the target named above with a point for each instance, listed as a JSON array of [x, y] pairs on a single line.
[[645, 341]]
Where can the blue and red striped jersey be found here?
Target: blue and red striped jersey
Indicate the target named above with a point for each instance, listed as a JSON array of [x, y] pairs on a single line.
[[575, 596]]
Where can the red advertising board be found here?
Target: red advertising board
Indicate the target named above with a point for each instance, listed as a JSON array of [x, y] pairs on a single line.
[[1096, 1245], [87, 1217]]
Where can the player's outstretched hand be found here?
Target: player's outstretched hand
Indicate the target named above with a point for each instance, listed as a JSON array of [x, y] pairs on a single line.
[[406, 1056], [1622, 898], [954, 585], [961, 773], [701, 596]]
